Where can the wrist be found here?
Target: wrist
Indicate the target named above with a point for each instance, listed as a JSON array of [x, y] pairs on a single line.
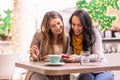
[[78, 58], [34, 59]]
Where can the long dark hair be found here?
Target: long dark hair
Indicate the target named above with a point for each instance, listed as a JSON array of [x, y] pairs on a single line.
[[88, 33]]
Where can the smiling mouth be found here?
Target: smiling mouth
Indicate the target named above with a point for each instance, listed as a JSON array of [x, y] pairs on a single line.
[[77, 31], [58, 30]]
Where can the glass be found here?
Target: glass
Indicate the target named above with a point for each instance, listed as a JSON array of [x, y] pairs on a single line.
[[85, 57]]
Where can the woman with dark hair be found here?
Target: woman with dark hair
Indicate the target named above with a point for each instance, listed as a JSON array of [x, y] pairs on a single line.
[[51, 39], [84, 37]]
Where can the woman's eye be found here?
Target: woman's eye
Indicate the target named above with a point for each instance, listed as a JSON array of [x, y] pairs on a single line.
[[73, 24], [59, 23], [80, 25], [52, 26]]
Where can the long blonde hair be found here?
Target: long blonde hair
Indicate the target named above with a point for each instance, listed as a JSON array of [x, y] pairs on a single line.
[[47, 34]]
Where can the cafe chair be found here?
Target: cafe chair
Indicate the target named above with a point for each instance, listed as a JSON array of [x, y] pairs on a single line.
[[20, 73], [7, 65]]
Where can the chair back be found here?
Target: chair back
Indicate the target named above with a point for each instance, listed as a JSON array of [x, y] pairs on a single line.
[[7, 65], [113, 58]]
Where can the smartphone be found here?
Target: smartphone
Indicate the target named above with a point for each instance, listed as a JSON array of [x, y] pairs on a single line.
[[65, 56]]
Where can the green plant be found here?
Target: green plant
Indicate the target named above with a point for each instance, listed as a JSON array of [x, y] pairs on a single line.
[[98, 9], [5, 24]]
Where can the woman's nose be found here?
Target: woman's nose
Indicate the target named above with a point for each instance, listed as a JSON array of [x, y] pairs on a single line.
[[58, 26], [75, 28]]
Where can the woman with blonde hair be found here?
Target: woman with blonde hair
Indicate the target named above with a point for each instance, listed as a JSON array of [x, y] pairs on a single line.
[[49, 40]]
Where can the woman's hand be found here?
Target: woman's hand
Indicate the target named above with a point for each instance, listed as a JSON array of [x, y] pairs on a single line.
[[45, 58], [34, 52], [70, 59], [65, 56]]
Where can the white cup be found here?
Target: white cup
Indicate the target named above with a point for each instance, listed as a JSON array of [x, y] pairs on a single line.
[[85, 57]]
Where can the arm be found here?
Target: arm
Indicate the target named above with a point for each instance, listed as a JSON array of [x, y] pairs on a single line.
[[34, 47], [36, 40], [97, 48]]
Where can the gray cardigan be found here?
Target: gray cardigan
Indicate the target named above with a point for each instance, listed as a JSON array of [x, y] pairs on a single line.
[[97, 55]]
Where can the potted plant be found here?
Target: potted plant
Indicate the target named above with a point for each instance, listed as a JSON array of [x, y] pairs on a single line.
[[5, 24]]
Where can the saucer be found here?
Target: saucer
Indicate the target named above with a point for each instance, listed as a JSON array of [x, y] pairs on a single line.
[[54, 64]]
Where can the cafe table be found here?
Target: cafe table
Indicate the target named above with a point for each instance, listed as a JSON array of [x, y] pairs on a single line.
[[67, 68]]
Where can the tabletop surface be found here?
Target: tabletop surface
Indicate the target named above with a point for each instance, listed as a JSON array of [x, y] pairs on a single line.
[[67, 68]]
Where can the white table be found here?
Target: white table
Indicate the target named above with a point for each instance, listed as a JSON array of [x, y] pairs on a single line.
[[67, 68]]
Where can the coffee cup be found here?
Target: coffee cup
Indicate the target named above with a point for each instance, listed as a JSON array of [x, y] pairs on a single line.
[[54, 58]]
